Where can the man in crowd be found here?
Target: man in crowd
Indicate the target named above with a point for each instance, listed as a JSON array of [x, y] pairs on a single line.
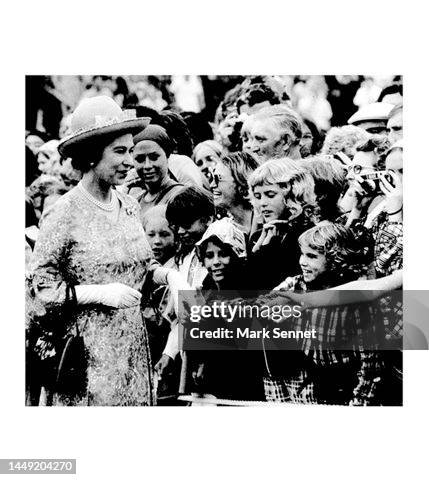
[[272, 132]]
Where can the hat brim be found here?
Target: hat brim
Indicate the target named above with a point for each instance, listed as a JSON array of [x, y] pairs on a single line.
[[200, 243], [133, 126]]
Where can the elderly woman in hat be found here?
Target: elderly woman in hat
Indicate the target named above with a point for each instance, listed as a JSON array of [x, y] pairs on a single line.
[[93, 240]]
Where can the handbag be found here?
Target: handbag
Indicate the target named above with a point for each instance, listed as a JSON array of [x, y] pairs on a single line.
[[72, 368]]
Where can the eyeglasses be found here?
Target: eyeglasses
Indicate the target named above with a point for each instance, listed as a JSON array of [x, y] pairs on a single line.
[[358, 168]]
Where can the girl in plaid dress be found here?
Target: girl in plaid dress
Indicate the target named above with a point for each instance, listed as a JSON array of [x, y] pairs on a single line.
[[330, 256]]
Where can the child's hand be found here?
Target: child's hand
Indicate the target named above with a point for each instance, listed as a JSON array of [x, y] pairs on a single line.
[[285, 285], [269, 231]]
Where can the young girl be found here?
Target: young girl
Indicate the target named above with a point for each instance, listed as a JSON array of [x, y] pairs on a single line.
[[330, 256], [282, 193], [158, 310], [225, 374]]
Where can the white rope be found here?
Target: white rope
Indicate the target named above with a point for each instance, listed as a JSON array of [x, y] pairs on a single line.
[[223, 401]]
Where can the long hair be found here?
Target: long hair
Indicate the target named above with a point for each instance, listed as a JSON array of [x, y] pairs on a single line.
[[236, 267], [241, 166], [295, 181]]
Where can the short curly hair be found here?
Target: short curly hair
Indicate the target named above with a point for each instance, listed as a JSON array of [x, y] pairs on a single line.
[[344, 139], [344, 254]]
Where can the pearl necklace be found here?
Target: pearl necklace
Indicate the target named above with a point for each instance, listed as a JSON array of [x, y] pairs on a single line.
[[108, 207]]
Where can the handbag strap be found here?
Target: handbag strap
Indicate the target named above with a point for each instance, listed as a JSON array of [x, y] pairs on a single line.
[[71, 304], [69, 307]]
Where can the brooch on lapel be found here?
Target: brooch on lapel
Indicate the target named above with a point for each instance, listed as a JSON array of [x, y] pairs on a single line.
[[131, 210]]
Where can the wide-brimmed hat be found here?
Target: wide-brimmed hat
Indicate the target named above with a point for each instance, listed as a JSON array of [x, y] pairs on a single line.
[[98, 116], [378, 111]]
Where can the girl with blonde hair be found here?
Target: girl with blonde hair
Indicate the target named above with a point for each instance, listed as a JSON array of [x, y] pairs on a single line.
[[282, 193]]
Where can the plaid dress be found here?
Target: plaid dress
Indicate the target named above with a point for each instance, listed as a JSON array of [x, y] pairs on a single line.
[[338, 370], [388, 249]]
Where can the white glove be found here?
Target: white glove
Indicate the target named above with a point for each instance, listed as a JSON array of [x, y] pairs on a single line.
[[116, 295]]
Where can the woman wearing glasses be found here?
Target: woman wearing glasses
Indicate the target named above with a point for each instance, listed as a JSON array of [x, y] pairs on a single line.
[[230, 190]]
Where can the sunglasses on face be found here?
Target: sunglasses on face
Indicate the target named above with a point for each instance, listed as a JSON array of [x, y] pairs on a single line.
[[213, 177], [216, 179]]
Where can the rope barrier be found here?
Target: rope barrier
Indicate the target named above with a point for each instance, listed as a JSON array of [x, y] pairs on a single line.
[[223, 401]]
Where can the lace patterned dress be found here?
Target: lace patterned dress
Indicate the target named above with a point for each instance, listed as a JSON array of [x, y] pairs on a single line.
[[78, 243]]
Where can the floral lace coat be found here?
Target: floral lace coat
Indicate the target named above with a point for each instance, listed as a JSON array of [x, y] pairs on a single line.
[[79, 244]]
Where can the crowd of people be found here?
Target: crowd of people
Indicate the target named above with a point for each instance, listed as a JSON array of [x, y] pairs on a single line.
[[283, 184]]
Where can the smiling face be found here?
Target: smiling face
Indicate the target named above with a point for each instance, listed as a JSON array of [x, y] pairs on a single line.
[[115, 161], [206, 159], [217, 259], [312, 263], [150, 162], [263, 139], [160, 237], [270, 201], [223, 186]]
